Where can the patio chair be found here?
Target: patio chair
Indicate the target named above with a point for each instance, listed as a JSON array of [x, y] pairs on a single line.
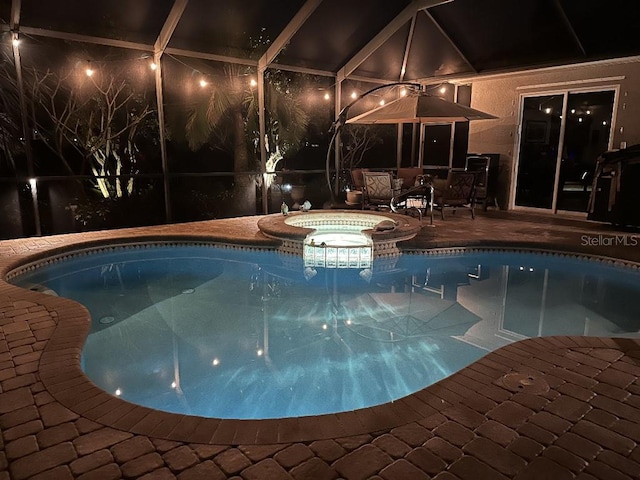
[[378, 190], [457, 192]]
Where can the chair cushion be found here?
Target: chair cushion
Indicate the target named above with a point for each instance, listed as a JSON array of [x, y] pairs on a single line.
[[408, 175], [358, 180]]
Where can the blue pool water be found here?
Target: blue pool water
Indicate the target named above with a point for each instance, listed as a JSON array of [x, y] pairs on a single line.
[[230, 334]]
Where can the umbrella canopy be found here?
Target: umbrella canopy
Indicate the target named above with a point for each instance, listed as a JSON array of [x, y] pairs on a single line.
[[420, 108]]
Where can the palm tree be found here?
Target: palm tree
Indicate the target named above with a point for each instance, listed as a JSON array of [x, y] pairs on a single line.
[[230, 118]]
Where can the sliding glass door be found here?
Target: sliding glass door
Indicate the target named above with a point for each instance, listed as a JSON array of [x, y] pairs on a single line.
[[561, 137]]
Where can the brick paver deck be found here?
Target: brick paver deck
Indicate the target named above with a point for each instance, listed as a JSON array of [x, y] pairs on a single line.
[[577, 416]]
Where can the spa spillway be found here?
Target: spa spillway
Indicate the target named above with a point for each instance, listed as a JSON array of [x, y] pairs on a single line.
[[341, 238]]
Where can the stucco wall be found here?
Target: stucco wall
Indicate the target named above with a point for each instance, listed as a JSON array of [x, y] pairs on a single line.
[[501, 97]]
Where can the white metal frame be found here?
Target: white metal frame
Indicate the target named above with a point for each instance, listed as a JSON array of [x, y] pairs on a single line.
[[565, 92]]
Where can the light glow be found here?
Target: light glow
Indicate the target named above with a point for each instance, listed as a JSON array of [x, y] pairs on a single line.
[[253, 82], [118, 392], [15, 41], [327, 96], [203, 83], [216, 362], [403, 92], [443, 89], [547, 110], [89, 71], [153, 65], [382, 102], [354, 95]]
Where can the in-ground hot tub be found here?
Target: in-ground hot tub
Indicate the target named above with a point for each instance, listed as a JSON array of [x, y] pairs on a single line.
[[340, 238]]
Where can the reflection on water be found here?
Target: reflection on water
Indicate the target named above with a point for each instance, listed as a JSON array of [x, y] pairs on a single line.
[[230, 334]]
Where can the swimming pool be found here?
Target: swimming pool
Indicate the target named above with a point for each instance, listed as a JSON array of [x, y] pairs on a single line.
[[224, 333]]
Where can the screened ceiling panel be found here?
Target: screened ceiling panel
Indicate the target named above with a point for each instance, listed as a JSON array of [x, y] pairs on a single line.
[[500, 34], [139, 21], [5, 11], [493, 35], [337, 30], [386, 62], [431, 53], [240, 29], [607, 28]]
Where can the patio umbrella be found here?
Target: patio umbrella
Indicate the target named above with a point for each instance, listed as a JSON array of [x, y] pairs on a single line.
[[420, 108]]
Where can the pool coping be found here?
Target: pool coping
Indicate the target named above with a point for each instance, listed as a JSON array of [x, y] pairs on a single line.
[[63, 378]]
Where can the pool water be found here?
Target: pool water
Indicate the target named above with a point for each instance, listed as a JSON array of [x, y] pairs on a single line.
[[222, 333]]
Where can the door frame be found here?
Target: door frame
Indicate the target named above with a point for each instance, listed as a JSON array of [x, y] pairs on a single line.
[[565, 92]]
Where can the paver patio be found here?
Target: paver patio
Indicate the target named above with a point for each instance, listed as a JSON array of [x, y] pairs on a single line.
[[473, 425]]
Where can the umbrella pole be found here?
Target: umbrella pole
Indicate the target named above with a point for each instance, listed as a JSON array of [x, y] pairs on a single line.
[[337, 126]]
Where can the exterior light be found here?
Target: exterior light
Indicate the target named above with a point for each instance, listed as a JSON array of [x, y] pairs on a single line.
[[173, 384], [216, 362], [118, 392], [32, 183], [259, 352], [588, 112], [547, 110], [573, 110], [580, 120], [604, 122]]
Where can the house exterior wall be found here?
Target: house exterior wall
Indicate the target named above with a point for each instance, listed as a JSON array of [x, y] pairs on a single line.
[[500, 95]]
